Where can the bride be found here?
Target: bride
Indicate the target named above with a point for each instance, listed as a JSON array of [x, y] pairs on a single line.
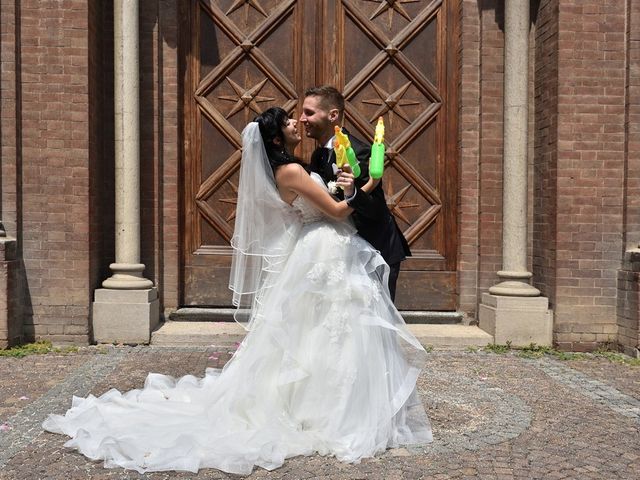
[[327, 366]]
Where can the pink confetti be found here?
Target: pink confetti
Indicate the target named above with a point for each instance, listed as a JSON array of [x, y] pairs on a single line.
[[24, 398], [5, 427], [213, 357]]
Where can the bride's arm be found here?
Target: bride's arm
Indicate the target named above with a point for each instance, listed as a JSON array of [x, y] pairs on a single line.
[[293, 177]]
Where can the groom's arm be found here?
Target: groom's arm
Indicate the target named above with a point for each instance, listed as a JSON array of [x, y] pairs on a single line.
[[369, 206]]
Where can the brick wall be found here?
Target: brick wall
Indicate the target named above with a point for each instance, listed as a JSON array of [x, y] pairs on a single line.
[[491, 131], [469, 144], [101, 143], [171, 147], [160, 130], [590, 167], [545, 142], [628, 302], [9, 117], [150, 111], [632, 127], [11, 269], [54, 180]]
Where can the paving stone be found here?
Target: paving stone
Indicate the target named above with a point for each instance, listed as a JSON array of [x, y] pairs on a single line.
[[24, 380], [598, 391], [493, 416], [624, 378]]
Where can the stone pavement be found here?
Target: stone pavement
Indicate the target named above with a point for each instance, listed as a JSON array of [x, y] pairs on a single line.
[[494, 416]]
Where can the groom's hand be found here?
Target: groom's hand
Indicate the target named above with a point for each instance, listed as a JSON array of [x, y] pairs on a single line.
[[346, 180]]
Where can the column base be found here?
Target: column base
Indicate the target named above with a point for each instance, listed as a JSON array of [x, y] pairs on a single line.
[[127, 276], [519, 320], [514, 284], [125, 316]]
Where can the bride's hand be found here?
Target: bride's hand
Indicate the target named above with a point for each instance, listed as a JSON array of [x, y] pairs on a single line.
[[346, 181]]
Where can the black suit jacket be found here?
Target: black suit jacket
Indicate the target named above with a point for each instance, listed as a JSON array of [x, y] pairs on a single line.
[[371, 216]]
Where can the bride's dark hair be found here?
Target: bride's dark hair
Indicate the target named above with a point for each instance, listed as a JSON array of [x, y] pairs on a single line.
[[271, 123]]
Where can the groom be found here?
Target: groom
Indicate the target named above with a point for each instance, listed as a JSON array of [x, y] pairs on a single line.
[[322, 110]]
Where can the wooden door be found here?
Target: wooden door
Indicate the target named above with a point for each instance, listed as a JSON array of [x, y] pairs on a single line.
[[395, 58]]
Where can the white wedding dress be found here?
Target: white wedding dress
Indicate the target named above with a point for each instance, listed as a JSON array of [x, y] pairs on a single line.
[[328, 367]]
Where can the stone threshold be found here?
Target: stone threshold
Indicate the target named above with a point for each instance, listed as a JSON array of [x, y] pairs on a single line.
[[193, 333]]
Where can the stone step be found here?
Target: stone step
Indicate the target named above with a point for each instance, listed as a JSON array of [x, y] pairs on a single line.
[[450, 336], [203, 314], [172, 333]]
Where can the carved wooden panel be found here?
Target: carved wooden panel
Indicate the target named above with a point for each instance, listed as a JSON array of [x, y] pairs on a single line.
[[396, 71], [397, 60], [237, 67]]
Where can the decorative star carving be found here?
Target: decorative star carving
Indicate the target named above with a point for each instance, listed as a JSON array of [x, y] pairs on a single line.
[[247, 3], [246, 98], [389, 6], [396, 204], [231, 201], [392, 103]]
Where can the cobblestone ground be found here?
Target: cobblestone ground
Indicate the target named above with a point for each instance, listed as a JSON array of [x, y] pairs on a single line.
[[494, 416]]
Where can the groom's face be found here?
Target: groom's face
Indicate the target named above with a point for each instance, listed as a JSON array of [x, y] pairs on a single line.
[[318, 120]]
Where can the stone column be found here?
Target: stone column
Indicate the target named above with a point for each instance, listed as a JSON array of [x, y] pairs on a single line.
[[127, 271], [513, 310], [126, 309]]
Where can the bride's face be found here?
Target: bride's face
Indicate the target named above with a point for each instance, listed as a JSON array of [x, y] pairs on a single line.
[[290, 134]]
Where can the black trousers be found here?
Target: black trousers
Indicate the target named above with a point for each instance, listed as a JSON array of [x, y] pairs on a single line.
[[394, 271]]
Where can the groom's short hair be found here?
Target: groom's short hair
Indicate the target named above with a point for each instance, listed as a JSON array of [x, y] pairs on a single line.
[[329, 96]]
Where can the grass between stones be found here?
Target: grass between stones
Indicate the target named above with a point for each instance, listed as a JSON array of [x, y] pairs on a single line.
[[37, 348], [530, 351], [537, 351]]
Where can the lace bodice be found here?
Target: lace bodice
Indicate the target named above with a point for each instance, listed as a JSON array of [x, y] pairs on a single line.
[[308, 212]]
